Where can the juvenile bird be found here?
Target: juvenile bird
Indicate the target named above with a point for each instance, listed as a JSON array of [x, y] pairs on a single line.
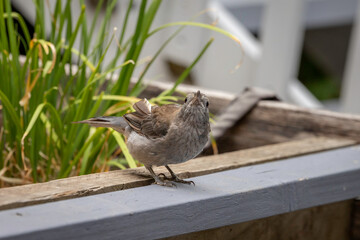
[[163, 135]]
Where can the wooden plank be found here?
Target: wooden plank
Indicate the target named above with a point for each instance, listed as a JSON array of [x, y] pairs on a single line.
[[219, 199], [310, 120], [327, 222], [274, 122], [123, 179]]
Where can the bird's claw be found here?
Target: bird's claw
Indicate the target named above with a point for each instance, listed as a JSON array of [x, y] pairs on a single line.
[[183, 181], [165, 183], [175, 179]]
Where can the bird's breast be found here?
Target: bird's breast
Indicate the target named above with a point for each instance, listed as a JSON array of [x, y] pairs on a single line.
[[180, 144], [187, 142]]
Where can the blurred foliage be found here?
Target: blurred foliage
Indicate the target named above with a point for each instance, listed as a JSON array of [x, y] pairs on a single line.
[[317, 80], [41, 95]]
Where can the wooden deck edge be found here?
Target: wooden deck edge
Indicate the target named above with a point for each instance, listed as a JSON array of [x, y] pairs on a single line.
[[85, 185]]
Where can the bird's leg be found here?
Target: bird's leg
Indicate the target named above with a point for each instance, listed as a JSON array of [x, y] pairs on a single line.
[[158, 181], [175, 178]]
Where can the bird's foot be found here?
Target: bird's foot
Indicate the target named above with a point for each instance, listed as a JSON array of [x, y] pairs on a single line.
[[175, 179], [165, 183]]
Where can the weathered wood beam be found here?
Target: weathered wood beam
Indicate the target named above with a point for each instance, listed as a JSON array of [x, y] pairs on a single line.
[[218, 199], [300, 119], [123, 179], [274, 122]]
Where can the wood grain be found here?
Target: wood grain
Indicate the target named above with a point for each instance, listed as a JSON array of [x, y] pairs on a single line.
[[123, 179], [275, 122]]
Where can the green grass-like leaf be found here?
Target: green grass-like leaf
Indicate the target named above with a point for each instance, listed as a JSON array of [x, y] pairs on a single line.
[[42, 96], [130, 160]]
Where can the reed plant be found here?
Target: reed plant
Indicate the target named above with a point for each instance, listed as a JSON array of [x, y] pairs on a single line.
[[41, 94]]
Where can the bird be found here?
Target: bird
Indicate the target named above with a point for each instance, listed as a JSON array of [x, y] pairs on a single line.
[[163, 135]]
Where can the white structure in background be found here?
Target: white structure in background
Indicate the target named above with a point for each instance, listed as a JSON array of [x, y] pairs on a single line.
[[272, 64], [282, 37], [351, 87]]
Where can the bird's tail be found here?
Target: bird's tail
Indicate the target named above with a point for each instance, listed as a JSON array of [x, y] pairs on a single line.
[[117, 123]]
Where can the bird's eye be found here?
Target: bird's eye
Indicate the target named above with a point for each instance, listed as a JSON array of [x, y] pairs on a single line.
[[207, 103], [185, 100]]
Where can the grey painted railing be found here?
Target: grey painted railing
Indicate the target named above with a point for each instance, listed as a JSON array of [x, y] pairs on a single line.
[[217, 200]]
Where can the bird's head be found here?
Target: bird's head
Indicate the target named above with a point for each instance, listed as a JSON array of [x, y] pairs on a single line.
[[196, 106]]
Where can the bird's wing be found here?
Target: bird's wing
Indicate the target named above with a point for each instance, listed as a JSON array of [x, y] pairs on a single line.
[[162, 117], [142, 112], [151, 121]]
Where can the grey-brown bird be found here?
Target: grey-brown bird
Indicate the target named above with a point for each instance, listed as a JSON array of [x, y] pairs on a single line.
[[163, 135]]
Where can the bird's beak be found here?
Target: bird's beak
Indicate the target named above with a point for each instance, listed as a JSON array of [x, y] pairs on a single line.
[[198, 94], [196, 99]]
